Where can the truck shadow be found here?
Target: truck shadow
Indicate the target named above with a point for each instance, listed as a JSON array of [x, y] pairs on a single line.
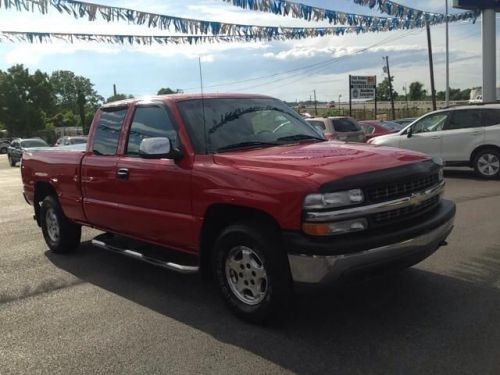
[[411, 322]]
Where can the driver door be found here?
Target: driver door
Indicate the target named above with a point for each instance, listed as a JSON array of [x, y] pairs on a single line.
[[426, 134]]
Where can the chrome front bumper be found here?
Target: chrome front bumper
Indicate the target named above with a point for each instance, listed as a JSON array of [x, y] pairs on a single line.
[[313, 269]]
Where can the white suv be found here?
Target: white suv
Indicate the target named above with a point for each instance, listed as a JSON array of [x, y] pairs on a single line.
[[461, 136]]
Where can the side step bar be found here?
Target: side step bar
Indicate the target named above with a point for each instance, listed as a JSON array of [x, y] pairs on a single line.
[[156, 262]]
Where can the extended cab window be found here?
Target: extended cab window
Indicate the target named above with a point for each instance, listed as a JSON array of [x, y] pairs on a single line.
[[464, 119], [108, 131], [149, 122]]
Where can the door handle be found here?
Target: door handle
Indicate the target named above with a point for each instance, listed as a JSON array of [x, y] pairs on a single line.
[[435, 137], [122, 173]]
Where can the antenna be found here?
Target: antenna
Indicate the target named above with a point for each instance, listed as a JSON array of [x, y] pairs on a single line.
[[203, 108]]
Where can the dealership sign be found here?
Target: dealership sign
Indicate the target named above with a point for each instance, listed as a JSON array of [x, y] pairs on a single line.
[[363, 87]]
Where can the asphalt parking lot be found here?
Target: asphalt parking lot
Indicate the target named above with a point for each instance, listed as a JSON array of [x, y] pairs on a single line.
[[96, 312]]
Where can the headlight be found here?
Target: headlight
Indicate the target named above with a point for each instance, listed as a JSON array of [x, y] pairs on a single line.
[[333, 200], [340, 227]]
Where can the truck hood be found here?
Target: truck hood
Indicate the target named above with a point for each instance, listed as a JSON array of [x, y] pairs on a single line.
[[321, 162]]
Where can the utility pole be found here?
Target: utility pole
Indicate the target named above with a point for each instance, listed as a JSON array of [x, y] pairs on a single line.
[[488, 35], [390, 87], [350, 96], [447, 59], [431, 66], [114, 89], [315, 104]]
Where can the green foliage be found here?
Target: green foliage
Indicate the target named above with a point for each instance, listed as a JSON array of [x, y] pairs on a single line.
[[455, 94], [25, 99], [118, 97], [383, 90], [417, 91], [168, 91]]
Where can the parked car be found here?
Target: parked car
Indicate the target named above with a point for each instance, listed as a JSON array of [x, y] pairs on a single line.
[[70, 140], [339, 128], [374, 128], [391, 125], [241, 188], [404, 121], [18, 146], [4, 146], [466, 136]]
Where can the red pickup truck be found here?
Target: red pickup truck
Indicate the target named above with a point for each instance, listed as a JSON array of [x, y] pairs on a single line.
[[241, 188]]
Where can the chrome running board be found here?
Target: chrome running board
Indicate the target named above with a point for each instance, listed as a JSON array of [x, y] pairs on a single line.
[[154, 261]]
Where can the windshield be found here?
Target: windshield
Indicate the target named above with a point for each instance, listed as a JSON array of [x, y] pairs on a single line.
[[345, 125], [392, 125], [34, 143], [241, 123]]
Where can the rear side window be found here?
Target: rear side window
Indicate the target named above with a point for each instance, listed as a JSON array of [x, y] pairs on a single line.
[[108, 131], [491, 117], [317, 124], [345, 125], [470, 118], [149, 122]]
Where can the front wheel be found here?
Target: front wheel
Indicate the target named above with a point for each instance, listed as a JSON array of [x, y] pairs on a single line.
[[487, 163], [252, 271], [61, 235]]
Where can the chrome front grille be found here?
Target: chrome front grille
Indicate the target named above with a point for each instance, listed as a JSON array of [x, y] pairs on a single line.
[[399, 189], [404, 212]]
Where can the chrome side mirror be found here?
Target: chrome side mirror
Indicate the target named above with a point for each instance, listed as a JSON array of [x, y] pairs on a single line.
[[158, 148]]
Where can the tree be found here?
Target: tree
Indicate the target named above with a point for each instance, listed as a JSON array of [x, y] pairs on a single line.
[[417, 91], [455, 94], [117, 97], [383, 91], [25, 100], [168, 91]]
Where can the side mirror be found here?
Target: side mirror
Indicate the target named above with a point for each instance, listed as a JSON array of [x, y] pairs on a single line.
[[410, 132], [158, 148]]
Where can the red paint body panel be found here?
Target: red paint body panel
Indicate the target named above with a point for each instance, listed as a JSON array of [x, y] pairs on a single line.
[[164, 201], [379, 129]]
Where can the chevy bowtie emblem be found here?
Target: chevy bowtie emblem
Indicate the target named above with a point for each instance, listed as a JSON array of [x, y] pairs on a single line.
[[417, 198]]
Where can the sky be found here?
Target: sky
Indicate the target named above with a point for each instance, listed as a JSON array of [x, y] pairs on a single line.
[[251, 67]]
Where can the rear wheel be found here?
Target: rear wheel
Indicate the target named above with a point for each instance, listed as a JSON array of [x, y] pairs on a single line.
[[252, 271], [3, 150], [487, 163], [61, 235]]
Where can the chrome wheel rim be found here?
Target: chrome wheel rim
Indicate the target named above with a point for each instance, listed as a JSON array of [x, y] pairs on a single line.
[[488, 164], [246, 275], [52, 225]]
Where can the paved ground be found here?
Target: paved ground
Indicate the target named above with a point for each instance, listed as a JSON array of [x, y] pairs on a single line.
[[96, 312]]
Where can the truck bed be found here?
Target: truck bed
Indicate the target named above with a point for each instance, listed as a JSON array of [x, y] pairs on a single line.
[[59, 169]]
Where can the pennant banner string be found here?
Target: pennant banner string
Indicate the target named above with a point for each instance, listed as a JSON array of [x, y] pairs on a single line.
[[131, 39], [311, 13], [91, 11]]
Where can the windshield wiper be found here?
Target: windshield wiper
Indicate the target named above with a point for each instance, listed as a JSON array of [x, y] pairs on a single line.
[[299, 137], [246, 145]]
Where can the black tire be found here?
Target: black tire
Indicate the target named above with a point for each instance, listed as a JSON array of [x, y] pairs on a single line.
[[266, 253], [68, 235], [3, 150], [12, 162], [491, 169]]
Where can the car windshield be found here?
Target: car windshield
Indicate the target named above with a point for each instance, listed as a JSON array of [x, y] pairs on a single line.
[[242, 123], [392, 125], [345, 125], [34, 143]]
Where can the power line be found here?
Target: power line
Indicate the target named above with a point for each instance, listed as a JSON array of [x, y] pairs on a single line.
[[305, 67]]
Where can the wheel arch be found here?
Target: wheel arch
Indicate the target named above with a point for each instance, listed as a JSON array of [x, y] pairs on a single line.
[[219, 216], [481, 148], [42, 190]]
